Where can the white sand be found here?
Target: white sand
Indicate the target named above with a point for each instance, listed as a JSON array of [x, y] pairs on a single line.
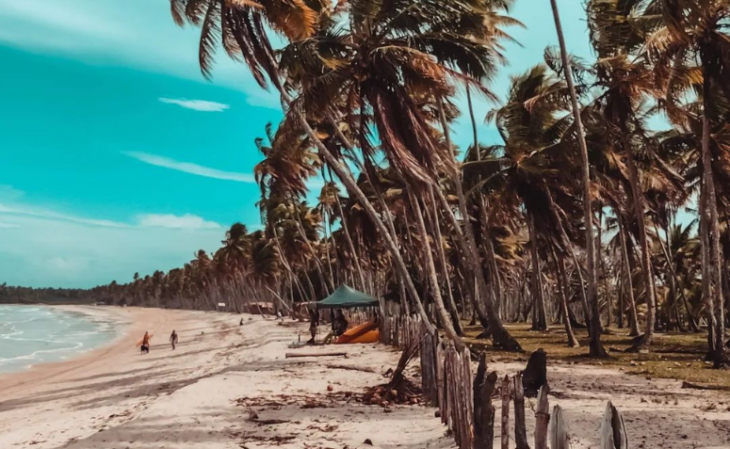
[[116, 398]]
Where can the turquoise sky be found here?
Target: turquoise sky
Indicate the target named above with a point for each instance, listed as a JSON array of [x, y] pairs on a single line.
[[116, 156]]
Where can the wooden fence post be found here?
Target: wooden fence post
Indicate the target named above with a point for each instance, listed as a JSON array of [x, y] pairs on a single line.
[[505, 412], [483, 410], [613, 430], [559, 436], [542, 419], [519, 402]]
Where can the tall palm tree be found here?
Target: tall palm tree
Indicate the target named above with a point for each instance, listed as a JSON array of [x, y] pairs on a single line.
[[596, 347], [689, 31]]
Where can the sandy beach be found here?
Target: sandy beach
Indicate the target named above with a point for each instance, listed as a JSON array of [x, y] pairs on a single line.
[[205, 393]]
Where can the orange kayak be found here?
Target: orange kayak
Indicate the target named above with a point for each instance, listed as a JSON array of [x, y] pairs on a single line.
[[364, 333]]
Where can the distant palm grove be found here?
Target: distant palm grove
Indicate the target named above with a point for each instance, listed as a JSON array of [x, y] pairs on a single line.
[[584, 215]]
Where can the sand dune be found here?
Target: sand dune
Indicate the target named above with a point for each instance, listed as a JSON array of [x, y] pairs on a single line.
[[203, 395]]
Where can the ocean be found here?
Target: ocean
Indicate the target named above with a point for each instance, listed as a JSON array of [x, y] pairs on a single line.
[[30, 335]]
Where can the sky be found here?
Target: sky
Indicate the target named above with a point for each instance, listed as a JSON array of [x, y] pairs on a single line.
[[117, 156]]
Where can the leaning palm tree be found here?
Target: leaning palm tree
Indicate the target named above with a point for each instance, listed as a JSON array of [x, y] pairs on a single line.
[[526, 169], [596, 348], [690, 31]]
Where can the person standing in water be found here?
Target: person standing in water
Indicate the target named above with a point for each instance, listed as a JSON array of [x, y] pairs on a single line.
[[173, 339], [146, 343]]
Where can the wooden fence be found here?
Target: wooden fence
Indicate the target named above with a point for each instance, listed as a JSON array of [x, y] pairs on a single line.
[[465, 402]]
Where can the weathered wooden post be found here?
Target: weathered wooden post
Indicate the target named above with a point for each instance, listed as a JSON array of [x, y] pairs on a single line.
[[505, 412], [483, 410], [613, 430], [559, 436], [542, 419], [519, 402], [534, 376]]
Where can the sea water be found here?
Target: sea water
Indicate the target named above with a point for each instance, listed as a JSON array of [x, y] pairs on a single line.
[[30, 335]]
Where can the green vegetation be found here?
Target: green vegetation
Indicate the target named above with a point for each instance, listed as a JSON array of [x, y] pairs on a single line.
[[576, 219]]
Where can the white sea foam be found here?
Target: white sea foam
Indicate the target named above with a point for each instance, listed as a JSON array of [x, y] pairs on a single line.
[[31, 335]]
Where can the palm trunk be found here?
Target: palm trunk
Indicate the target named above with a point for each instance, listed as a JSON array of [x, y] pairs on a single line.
[[351, 185], [467, 242], [539, 321], [431, 274], [712, 228], [638, 197], [442, 263], [350, 244], [633, 315], [596, 347], [563, 292]]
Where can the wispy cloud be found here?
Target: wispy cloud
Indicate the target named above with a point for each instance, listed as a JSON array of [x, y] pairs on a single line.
[[8, 225], [52, 215], [189, 167], [197, 105], [187, 221]]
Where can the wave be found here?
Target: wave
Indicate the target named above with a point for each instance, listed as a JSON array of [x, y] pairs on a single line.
[[33, 335]]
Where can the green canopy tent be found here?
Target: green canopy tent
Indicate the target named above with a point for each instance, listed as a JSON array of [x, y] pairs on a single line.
[[346, 298]]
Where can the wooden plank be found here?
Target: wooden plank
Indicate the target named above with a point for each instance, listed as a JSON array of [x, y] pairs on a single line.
[[505, 412], [613, 430], [559, 436], [292, 355], [542, 419], [519, 404]]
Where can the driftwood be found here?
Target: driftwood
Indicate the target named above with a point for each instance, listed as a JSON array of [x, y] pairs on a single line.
[[613, 430], [692, 386], [399, 390], [483, 410], [519, 403], [351, 368], [505, 412], [294, 355], [559, 436], [534, 376], [542, 419]]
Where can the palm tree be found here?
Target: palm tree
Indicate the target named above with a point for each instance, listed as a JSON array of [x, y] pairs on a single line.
[[689, 31], [596, 348]]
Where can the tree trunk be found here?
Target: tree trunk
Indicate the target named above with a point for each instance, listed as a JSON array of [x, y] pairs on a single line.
[[432, 275], [713, 226], [467, 241], [638, 203], [633, 315], [562, 289], [350, 244], [433, 216], [539, 322], [351, 185], [596, 347]]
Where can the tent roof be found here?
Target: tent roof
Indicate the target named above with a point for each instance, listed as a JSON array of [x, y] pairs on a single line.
[[346, 297]]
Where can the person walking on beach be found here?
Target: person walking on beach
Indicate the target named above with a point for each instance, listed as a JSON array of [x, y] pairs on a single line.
[[146, 343], [173, 339]]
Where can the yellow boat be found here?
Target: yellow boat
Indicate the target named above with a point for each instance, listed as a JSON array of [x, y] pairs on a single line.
[[364, 333]]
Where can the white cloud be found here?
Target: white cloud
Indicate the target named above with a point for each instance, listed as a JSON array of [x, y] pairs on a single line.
[[189, 167], [42, 213], [49, 248], [197, 105], [187, 221], [133, 33]]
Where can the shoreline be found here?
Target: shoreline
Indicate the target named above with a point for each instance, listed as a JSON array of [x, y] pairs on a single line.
[[119, 321], [205, 392]]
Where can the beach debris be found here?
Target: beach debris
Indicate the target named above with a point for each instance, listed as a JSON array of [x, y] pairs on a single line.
[[290, 355], [254, 418], [351, 368], [400, 390], [368, 441]]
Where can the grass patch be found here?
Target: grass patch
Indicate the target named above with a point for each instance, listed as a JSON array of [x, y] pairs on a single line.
[[672, 356]]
